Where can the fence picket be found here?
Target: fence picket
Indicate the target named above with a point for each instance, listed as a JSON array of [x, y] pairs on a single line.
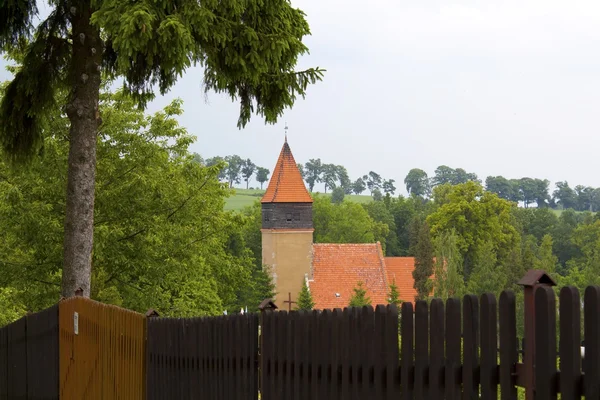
[[489, 345], [545, 338], [569, 348], [407, 373], [591, 364], [436, 358], [508, 345], [453, 347], [421, 349], [470, 347]]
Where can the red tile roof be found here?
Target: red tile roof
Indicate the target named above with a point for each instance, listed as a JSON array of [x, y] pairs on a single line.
[[337, 268], [286, 184], [400, 269]]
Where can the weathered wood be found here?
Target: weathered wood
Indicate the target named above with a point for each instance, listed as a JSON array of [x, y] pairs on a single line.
[[488, 371], [436, 357], [508, 345], [470, 348], [545, 341], [421, 350], [407, 354], [453, 349], [591, 364], [569, 348]]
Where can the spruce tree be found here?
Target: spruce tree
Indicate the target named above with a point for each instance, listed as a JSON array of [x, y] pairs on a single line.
[[359, 298], [305, 300], [394, 295], [423, 262], [247, 49]]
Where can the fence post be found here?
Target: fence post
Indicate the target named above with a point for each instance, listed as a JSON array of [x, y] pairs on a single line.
[[533, 279], [264, 306]]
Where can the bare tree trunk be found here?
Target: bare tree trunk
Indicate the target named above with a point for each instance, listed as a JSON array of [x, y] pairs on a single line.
[[83, 114]]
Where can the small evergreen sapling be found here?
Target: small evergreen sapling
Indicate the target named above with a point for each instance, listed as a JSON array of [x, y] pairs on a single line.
[[394, 295], [305, 300], [359, 298]]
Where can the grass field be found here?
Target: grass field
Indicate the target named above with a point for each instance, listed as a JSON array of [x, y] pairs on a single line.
[[243, 198]]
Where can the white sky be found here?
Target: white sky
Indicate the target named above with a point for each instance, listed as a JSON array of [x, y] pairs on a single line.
[[506, 88]]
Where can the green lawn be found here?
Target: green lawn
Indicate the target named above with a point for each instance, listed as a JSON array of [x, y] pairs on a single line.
[[243, 198]]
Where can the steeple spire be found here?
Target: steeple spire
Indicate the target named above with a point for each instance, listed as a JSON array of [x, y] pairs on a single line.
[[286, 184], [286, 128]]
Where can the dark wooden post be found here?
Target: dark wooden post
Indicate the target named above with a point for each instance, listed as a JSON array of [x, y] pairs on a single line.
[[265, 306], [533, 279]]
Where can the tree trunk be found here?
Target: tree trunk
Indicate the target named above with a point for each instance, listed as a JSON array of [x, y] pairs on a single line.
[[247, 184], [83, 114]]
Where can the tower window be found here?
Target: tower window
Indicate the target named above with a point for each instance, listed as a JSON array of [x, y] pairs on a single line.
[[289, 217]]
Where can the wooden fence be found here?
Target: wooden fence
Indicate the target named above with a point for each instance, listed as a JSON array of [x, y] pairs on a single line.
[[29, 357], [454, 350], [212, 358], [102, 351]]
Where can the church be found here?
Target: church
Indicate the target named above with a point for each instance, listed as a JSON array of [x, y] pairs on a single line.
[[331, 271]]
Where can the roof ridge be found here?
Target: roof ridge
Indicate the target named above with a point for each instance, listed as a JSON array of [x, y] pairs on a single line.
[[383, 265]]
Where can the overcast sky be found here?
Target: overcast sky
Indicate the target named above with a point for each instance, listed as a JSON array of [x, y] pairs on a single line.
[[496, 87]]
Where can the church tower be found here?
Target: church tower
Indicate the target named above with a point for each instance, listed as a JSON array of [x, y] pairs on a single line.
[[287, 228]]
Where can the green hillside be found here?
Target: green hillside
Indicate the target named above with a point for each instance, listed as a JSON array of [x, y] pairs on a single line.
[[246, 197]]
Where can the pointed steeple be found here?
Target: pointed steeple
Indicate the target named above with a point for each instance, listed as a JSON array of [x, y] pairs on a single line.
[[286, 184]]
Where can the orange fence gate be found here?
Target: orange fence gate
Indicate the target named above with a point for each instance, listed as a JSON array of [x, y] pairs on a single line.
[[102, 351]]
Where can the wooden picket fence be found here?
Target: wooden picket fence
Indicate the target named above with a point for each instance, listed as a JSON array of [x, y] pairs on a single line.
[[195, 358], [454, 350]]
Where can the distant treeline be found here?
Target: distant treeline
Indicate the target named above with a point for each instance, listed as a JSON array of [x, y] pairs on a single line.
[[526, 191]]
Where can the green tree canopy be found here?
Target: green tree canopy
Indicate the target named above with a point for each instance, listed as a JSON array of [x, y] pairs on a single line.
[[163, 240], [477, 217], [417, 183], [247, 49], [262, 175], [346, 222]]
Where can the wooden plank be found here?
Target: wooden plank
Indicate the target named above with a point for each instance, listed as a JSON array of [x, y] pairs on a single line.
[[325, 328], [470, 348], [4, 363], [545, 340], [509, 356], [489, 346], [436, 357], [366, 346], [314, 359], [17, 359], [421, 350], [591, 362], [453, 349], [407, 354], [379, 357], [346, 352], [336, 370], [307, 339], [391, 350], [570, 339]]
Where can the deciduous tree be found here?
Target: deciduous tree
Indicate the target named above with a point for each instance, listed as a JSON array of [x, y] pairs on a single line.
[[417, 183], [248, 168], [313, 171], [359, 186], [262, 175], [233, 169]]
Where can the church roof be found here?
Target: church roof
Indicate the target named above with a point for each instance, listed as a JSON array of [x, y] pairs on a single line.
[[399, 270], [337, 269], [286, 184]]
